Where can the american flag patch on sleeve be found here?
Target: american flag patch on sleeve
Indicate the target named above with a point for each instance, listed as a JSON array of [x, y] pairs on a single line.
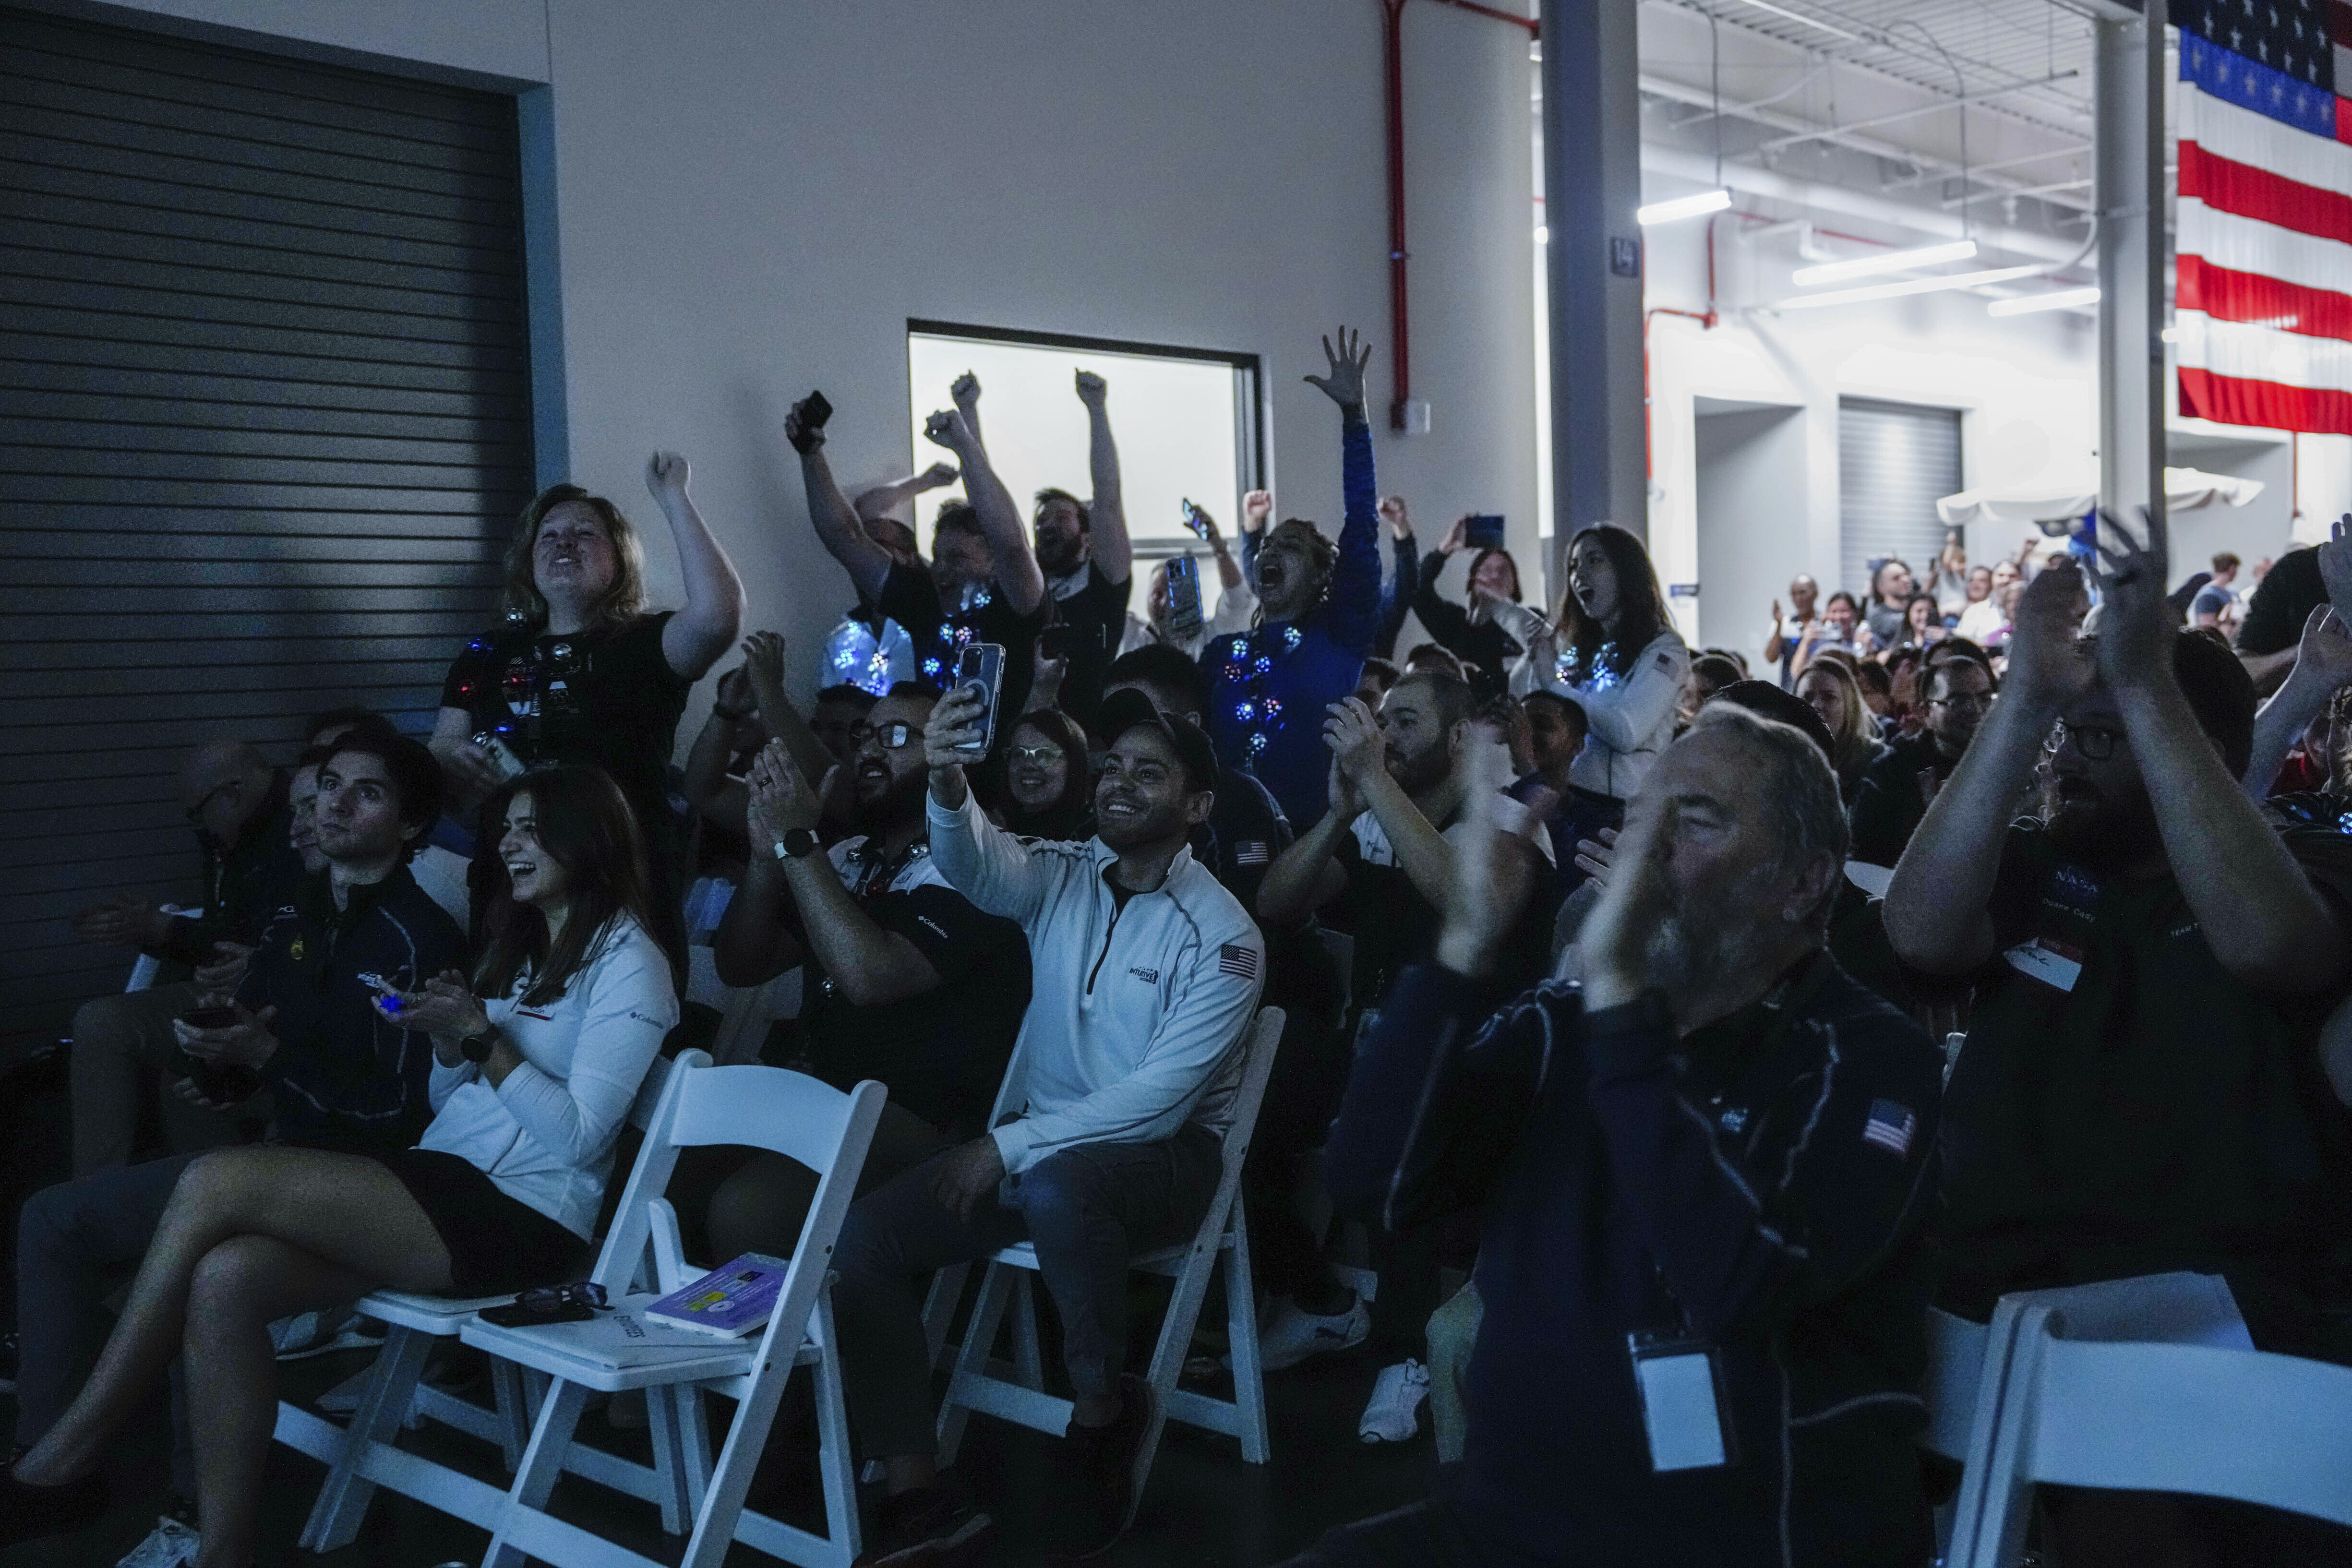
[[1235, 959], [1890, 1127], [1253, 852]]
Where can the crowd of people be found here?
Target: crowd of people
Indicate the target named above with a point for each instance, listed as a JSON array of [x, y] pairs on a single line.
[[1631, 1081]]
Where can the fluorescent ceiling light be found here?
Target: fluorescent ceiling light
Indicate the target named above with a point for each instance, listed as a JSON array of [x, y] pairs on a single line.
[[1697, 206], [2027, 304], [1892, 261], [1907, 286], [1808, 21]]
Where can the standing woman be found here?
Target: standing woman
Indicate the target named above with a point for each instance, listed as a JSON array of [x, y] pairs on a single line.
[[1613, 651], [581, 672], [501, 1195], [1475, 635]]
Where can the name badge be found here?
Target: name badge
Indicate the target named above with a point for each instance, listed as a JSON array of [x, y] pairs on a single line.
[[1682, 1408], [2048, 960]]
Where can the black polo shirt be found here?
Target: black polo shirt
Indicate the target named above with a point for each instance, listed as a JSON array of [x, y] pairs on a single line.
[[910, 598], [1094, 608]]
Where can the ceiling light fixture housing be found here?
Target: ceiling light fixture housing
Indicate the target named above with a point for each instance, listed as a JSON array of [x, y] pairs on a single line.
[[1892, 261], [1682, 207]]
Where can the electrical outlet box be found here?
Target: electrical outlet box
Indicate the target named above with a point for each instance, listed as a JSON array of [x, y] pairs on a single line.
[[1410, 416]]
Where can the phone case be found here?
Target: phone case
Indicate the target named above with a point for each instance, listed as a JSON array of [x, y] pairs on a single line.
[[515, 1315], [1183, 596], [983, 662]]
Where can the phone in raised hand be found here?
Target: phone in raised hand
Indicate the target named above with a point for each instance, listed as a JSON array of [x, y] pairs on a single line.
[[1197, 520], [981, 664], [1183, 596]]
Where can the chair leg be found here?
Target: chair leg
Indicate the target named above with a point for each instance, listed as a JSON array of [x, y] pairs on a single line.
[[1167, 1354], [543, 1463], [343, 1499], [971, 1356], [669, 1461], [1241, 1331], [938, 1308], [834, 1464], [513, 1405], [1028, 1360]]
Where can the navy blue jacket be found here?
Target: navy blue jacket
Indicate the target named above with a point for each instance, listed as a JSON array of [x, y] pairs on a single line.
[[1760, 1185], [343, 1073], [1267, 689]]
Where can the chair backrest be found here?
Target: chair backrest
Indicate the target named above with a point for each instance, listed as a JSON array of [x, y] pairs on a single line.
[[642, 1109], [1258, 1046], [1955, 1364]]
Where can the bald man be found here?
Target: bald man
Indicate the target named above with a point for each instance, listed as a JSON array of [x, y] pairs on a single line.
[[237, 805]]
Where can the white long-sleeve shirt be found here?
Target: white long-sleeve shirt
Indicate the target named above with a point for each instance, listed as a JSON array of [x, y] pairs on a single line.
[[544, 1136], [1137, 1012], [1628, 718], [1237, 607]]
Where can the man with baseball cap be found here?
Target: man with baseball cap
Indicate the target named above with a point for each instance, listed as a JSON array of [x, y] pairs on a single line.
[[1146, 972]]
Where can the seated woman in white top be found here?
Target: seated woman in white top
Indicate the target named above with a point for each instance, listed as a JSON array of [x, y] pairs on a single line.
[[1612, 648], [531, 1091]]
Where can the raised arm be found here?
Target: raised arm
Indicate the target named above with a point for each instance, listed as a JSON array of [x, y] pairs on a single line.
[[1306, 877], [1444, 619], [1354, 605], [1106, 512], [881, 501], [838, 527], [708, 788], [982, 861], [2323, 667], [1017, 577], [1938, 904], [2264, 920], [1258, 510], [698, 634], [1397, 588], [763, 665]]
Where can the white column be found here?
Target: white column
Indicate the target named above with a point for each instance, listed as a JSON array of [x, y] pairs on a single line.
[[2129, 189]]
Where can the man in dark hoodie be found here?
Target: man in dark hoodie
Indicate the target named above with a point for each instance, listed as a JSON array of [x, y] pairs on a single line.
[[1704, 1172]]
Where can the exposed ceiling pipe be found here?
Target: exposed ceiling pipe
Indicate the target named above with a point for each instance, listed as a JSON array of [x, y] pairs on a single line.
[[1392, 63]]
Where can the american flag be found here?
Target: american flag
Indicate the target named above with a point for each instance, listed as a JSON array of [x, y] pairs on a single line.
[[2263, 297], [1890, 1127], [1253, 852], [1235, 959]]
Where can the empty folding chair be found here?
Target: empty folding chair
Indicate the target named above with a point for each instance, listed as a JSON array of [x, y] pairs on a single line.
[[1016, 1392], [2135, 1417], [363, 1455], [758, 1107]]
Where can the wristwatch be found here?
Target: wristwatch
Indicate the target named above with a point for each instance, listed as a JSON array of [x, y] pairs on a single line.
[[798, 843], [477, 1047]]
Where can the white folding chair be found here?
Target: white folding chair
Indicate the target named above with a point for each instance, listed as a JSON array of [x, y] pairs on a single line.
[[1015, 1391], [143, 968], [364, 1455], [2138, 1416], [758, 1107]]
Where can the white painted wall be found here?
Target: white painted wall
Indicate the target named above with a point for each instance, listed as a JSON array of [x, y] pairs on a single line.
[[1748, 470], [753, 196]]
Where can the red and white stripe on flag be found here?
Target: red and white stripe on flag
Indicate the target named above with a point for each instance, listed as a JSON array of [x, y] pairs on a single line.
[[2263, 304]]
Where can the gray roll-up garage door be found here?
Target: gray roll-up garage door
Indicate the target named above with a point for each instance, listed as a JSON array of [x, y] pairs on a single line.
[[264, 427], [1896, 460]]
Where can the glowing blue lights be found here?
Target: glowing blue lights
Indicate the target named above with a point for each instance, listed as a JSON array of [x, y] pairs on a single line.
[[1245, 711], [931, 666], [1241, 647], [1264, 665], [1291, 637], [478, 646], [1257, 740]]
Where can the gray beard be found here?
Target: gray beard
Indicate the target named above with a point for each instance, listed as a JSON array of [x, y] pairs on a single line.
[[1685, 955]]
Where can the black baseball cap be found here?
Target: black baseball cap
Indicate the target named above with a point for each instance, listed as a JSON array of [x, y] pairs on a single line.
[[1129, 708], [1766, 700]]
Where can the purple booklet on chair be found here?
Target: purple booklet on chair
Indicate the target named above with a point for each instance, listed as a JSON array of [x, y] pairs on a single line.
[[730, 1302]]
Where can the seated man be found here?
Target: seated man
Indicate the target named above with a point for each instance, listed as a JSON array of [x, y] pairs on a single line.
[[1146, 977], [905, 981], [237, 803], [1707, 1172], [1895, 790], [2140, 1089], [304, 1028]]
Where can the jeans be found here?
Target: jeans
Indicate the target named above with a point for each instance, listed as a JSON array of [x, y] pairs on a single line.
[[122, 1045], [75, 1242], [1088, 1210]]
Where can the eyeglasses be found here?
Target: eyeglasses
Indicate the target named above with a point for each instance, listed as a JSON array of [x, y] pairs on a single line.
[[1036, 756], [896, 735], [2096, 742], [196, 812], [1963, 701], [555, 1298]]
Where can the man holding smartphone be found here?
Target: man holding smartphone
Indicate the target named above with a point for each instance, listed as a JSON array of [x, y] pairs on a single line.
[[303, 1021], [1146, 976]]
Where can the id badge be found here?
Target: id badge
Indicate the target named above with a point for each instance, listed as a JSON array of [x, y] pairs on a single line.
[[2045, 958], [1682, 1402]]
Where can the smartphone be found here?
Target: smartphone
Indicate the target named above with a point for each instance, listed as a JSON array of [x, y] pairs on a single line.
[[1195, 519], [1485, 531], [515, 1315], [982, 664], [1183, 596], [503, 761], [1054, 642], [818, 411]]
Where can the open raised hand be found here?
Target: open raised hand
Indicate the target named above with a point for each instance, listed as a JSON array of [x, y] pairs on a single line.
[[1490, 876], [1344, 382], [2136, 622], [2048, 664]]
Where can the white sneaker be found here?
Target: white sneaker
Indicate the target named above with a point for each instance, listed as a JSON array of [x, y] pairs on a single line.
[[168, 1545], [306, 1334], [1392, 1414], [1292, 1335]]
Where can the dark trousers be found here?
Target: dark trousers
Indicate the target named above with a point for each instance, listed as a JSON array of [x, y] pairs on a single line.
[[75, 1242], [1088, 1210], [1310, 1070]]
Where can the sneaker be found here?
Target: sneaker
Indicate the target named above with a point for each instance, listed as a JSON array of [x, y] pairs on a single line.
[[172, 1542], [1100, 1486], [936, 1526], [1392, 1414], [30, 1512], [1291, 1336], [306, 1334]]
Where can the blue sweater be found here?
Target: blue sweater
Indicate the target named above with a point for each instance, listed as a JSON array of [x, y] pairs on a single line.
[[1267, 688], [1761, 1185]]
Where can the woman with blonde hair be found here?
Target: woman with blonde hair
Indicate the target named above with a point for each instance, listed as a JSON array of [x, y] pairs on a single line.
[[1830, 689]]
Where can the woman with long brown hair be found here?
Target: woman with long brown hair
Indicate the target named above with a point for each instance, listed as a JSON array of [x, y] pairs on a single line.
[[529, 1091], [1827, 686], [1610, 648], [581, 671]]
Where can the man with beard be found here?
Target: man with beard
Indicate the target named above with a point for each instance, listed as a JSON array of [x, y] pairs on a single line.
[[2139, 1091], [1147, 975], [1703, 1179], [1089, 565], [1895, 790], [904, 980]]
